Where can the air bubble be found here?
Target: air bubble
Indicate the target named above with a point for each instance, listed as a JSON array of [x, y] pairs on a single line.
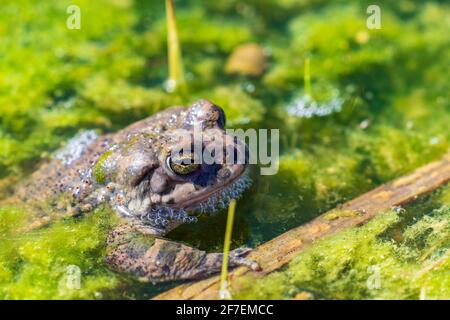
[[307, 107]]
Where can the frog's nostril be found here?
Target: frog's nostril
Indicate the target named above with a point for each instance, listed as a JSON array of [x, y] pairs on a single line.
[[223, 173]]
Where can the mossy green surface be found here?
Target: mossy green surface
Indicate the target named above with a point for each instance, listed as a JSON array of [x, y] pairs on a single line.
[[55, 82], [400, 254], [35, 265], [99, 170]]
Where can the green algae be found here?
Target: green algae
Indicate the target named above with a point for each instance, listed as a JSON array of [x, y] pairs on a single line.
[[337, 213], [55, 82], [369, 262], [100, 168], [34, 265]]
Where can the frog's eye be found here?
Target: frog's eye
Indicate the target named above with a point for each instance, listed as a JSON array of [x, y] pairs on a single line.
[[182, 164]]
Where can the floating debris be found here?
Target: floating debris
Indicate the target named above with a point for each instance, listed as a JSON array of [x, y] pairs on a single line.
[[307, 107], [364, 124]]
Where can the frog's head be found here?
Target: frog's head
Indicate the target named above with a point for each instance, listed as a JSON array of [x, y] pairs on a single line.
[[185, 165]]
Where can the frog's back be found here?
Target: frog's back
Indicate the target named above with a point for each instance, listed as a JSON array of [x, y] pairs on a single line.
[[68, 175]]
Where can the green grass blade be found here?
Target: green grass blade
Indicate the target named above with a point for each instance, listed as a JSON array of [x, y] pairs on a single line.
[[176, 78], [224, 292]]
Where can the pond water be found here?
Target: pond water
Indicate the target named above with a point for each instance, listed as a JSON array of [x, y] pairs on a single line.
[[375, 107]]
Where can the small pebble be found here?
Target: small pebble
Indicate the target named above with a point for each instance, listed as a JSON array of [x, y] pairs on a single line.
[[248, 60]]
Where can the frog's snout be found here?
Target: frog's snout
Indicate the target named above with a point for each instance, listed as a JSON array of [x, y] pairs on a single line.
[[207, 114]]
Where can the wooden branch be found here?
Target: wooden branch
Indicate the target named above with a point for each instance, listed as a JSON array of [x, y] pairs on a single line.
[[280, 250]]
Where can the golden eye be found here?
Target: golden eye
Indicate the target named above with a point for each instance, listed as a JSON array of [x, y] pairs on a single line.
[[182, 164]]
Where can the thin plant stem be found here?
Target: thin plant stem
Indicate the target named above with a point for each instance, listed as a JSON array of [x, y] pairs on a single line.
[[176, 72], [224, 292], [307, 77]]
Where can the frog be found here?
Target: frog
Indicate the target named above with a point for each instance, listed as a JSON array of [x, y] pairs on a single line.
[[150, 185]]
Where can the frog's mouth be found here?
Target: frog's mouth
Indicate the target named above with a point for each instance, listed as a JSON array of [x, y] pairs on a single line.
[[218, 198]]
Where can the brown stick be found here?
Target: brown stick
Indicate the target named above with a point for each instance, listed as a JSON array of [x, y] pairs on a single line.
[[280, 250]]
